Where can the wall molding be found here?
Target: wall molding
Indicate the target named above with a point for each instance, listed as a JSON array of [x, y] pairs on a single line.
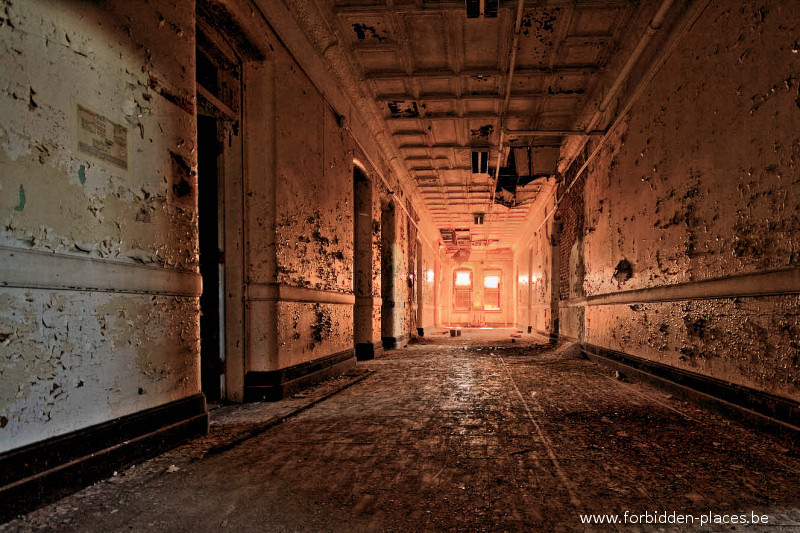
[[272, 292], [368, 301], [34, 269], [771, 283]]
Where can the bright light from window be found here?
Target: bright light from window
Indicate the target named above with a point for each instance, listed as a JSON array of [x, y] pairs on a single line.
[[429, 276], [463, 279], [523, 279], [491, 282], [534, 279]]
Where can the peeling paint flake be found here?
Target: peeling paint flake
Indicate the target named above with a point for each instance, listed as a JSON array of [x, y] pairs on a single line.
[[22, 201]]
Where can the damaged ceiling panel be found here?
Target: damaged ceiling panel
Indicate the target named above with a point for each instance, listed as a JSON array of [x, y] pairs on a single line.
[[403, 108], [437, 72]]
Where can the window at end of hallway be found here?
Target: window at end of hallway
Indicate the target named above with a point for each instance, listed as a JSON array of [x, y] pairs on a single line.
[[491, 292], [462, 290]]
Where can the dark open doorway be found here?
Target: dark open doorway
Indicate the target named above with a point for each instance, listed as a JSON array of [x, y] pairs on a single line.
[[388, 275], [218, 102], [362, 265], [208, 155]]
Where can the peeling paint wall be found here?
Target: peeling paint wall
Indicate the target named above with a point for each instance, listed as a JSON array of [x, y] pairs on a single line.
[[75, 356], [313, 218], [314, 189], [409, 247], [699, 183]]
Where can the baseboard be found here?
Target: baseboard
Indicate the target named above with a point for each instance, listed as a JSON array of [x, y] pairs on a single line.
[[392, 343], [768, 412], [275, 385], [551, 336], [43, 472], [368, 350]]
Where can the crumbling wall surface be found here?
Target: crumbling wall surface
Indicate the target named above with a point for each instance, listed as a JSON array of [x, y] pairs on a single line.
[[314, 218], [314, 189], [701, 182], [571, 260], [119, 78], [410, 249]]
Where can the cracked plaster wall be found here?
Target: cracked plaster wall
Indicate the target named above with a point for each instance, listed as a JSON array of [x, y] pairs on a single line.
[[73, 358], [701, 182]]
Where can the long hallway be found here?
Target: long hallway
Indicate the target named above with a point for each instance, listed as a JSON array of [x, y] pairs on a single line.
[[482, 432]]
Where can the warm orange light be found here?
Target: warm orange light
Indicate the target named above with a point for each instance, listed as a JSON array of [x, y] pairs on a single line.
[[463, 279], [523, 279], [491, 282]]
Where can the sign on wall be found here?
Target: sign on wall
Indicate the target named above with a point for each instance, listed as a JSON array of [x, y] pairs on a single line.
[[101, 138]]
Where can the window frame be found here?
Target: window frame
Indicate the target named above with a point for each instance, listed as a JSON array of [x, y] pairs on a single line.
[[492, 291], [465, 291]]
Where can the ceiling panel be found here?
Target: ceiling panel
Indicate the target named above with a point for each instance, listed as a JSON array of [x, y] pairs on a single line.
[[427, 41], [482, 43], [438, 81], [443, 131], [367, 29], [380, 60]]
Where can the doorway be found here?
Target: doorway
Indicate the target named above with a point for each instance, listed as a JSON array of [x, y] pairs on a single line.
[[389, 324], [420, 295], [211, 251], [362, 265], [218, 71]]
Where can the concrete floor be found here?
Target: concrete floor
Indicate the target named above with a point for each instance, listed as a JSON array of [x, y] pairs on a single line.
[[470, 433]]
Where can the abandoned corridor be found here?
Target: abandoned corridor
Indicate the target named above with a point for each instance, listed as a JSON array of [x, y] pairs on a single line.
[[471, 433], [224, 202]]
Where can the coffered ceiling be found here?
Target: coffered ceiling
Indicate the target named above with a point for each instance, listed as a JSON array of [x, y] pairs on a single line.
[[452, 90]]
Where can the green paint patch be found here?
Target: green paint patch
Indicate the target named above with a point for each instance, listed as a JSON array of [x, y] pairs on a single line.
[[82, 174], [21, 205]]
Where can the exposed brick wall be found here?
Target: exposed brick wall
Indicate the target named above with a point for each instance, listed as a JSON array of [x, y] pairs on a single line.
[[570, 213]]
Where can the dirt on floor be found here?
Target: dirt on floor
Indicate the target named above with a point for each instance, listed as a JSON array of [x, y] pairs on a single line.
[[483, 432]]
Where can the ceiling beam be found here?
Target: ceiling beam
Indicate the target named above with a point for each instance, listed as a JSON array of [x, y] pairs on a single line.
[[532, 133], [479, 74], [481, 115], [447, 97], [360, 9], [456, 146]]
